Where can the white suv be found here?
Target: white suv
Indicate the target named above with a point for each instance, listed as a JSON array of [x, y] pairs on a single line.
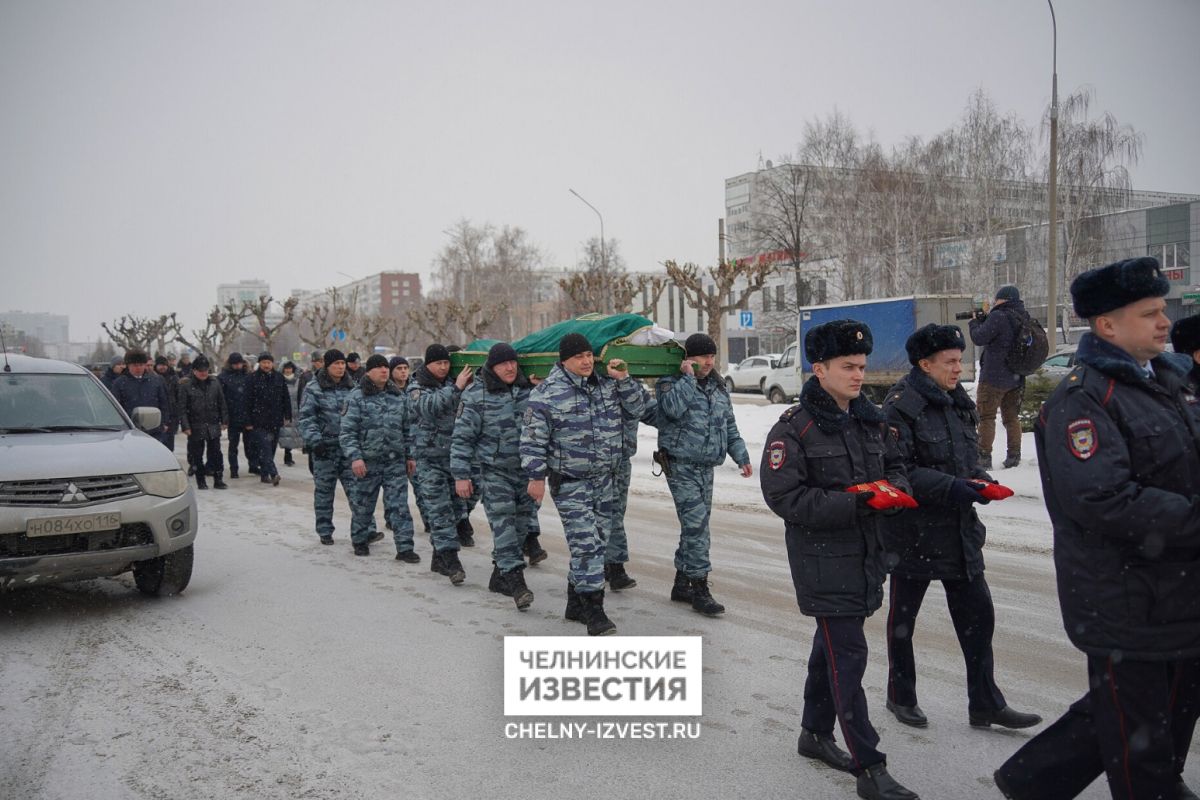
[[83, 493]]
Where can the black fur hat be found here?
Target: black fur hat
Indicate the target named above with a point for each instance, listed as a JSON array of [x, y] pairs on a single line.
[[933, 338], [436, 352], [841, 337], [1185, 335], [1105, 289]]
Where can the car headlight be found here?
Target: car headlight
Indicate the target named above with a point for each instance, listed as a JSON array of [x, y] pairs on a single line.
[[171, 483]]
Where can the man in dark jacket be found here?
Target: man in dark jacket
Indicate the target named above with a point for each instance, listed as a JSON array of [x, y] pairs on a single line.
[[170, 379], [269, 407], [141, 387], [818, 459], [1119, 454], [116, 368], [233, 381], [202, 416], [933, 420], [999, 387]]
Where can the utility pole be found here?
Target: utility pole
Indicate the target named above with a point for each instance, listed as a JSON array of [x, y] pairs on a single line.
[[1052, 228]]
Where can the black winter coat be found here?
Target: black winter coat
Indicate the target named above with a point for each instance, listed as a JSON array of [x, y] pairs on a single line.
[[937, 436], [268, 403], [170, 379], [996, 334], [202, 407], [235, 383], [1119, 455], [146, 391], [813, 454]]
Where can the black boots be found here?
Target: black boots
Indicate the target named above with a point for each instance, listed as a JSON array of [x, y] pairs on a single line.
[[574, 611], [466, 534], [874, 783], [445, 562], [374, 537], [617, 577], [1013, 460], [696, 592], [1006, 717], [218, 482], [533, 550], [511, 584], [912, 715], [408, 557], [362, 550], [598, 623], [201, 483], [823, 747]]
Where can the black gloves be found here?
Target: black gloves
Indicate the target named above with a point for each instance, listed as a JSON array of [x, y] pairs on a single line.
[[964, 492]]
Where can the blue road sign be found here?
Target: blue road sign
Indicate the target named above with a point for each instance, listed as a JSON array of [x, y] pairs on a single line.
[[746, 320]]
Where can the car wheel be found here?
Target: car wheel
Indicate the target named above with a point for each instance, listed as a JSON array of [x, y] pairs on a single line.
[[776, 395], [729, 385], [165, 575]]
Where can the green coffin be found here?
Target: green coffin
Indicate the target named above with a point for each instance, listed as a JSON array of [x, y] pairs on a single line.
[[537, 353]]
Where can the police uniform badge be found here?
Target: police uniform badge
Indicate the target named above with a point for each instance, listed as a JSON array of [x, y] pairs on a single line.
[[528, 415], [458, 413], [414, 395], [1083, 439], [776, 454]]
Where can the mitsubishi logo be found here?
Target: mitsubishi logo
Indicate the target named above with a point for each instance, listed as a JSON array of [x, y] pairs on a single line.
[[73, 495]]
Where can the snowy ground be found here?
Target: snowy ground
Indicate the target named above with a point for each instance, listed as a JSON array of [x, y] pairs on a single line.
[[292, 670]]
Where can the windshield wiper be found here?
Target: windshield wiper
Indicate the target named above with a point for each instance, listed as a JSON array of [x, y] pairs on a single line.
[[60, 428], [25, 430]]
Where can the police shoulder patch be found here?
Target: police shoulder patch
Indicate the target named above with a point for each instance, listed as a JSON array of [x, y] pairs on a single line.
[[415, 394], [776, 454], [458, 413], [1082, 438], [528, 415]]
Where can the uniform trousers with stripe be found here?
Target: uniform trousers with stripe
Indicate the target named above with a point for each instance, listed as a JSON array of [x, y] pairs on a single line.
[[833, 692], [1134, 725]]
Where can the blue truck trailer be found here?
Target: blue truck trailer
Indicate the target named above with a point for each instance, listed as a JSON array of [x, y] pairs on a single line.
[[892, 320]]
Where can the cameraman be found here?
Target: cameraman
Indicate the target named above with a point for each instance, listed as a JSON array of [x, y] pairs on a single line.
[[998, 386]]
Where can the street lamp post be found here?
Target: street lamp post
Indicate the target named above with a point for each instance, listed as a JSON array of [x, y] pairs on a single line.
[[1052, 267], [603, 255]]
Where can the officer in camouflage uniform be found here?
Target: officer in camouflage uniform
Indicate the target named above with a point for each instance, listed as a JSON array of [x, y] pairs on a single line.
[[572, 438], [486, 443], [375, 442], [321, 408], [616, 552], [696, 429], [434, 399]]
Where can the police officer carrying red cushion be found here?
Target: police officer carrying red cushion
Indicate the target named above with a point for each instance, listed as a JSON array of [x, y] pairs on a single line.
[[830, 469], [1119, 455], [934, 422]]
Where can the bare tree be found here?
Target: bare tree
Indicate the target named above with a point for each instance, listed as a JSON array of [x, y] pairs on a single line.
[[317, 321], [1094, 155], [260, 309], [593, 292], [221, 329], [143, 333], [749, 276], [446, 321], [492, 267]]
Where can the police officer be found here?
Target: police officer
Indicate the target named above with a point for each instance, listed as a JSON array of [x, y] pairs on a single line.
[[696, 430], [616, 552], [324, 402], [572, 439], [1119, 455], [486, 443], [375, 441], [818, 458], [934, 422], [434, 398], [1185, 339]]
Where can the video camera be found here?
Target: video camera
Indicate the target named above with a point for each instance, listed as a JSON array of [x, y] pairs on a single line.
[[975, 313]]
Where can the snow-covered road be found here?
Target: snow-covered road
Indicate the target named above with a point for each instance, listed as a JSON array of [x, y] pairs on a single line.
[[293, 670]]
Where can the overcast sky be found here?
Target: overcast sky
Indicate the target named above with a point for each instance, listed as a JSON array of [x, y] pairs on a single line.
[[151, 150]]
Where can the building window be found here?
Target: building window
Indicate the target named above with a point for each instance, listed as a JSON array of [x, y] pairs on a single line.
[[778, 297], [406, 292], [766, 300], [1171, 256]]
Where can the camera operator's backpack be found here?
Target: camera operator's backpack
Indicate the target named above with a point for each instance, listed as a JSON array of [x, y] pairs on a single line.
[[1030, 345]]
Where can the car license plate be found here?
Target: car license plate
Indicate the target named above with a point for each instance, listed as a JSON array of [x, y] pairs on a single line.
[[89, 523]]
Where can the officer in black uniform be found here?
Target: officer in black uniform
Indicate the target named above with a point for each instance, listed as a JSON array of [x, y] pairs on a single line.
[[1119, 454], [832, 442], [1185, 339], [934, 422]]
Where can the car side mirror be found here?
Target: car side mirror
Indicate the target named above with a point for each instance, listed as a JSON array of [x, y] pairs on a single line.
[[147, 418], [774, 363]]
